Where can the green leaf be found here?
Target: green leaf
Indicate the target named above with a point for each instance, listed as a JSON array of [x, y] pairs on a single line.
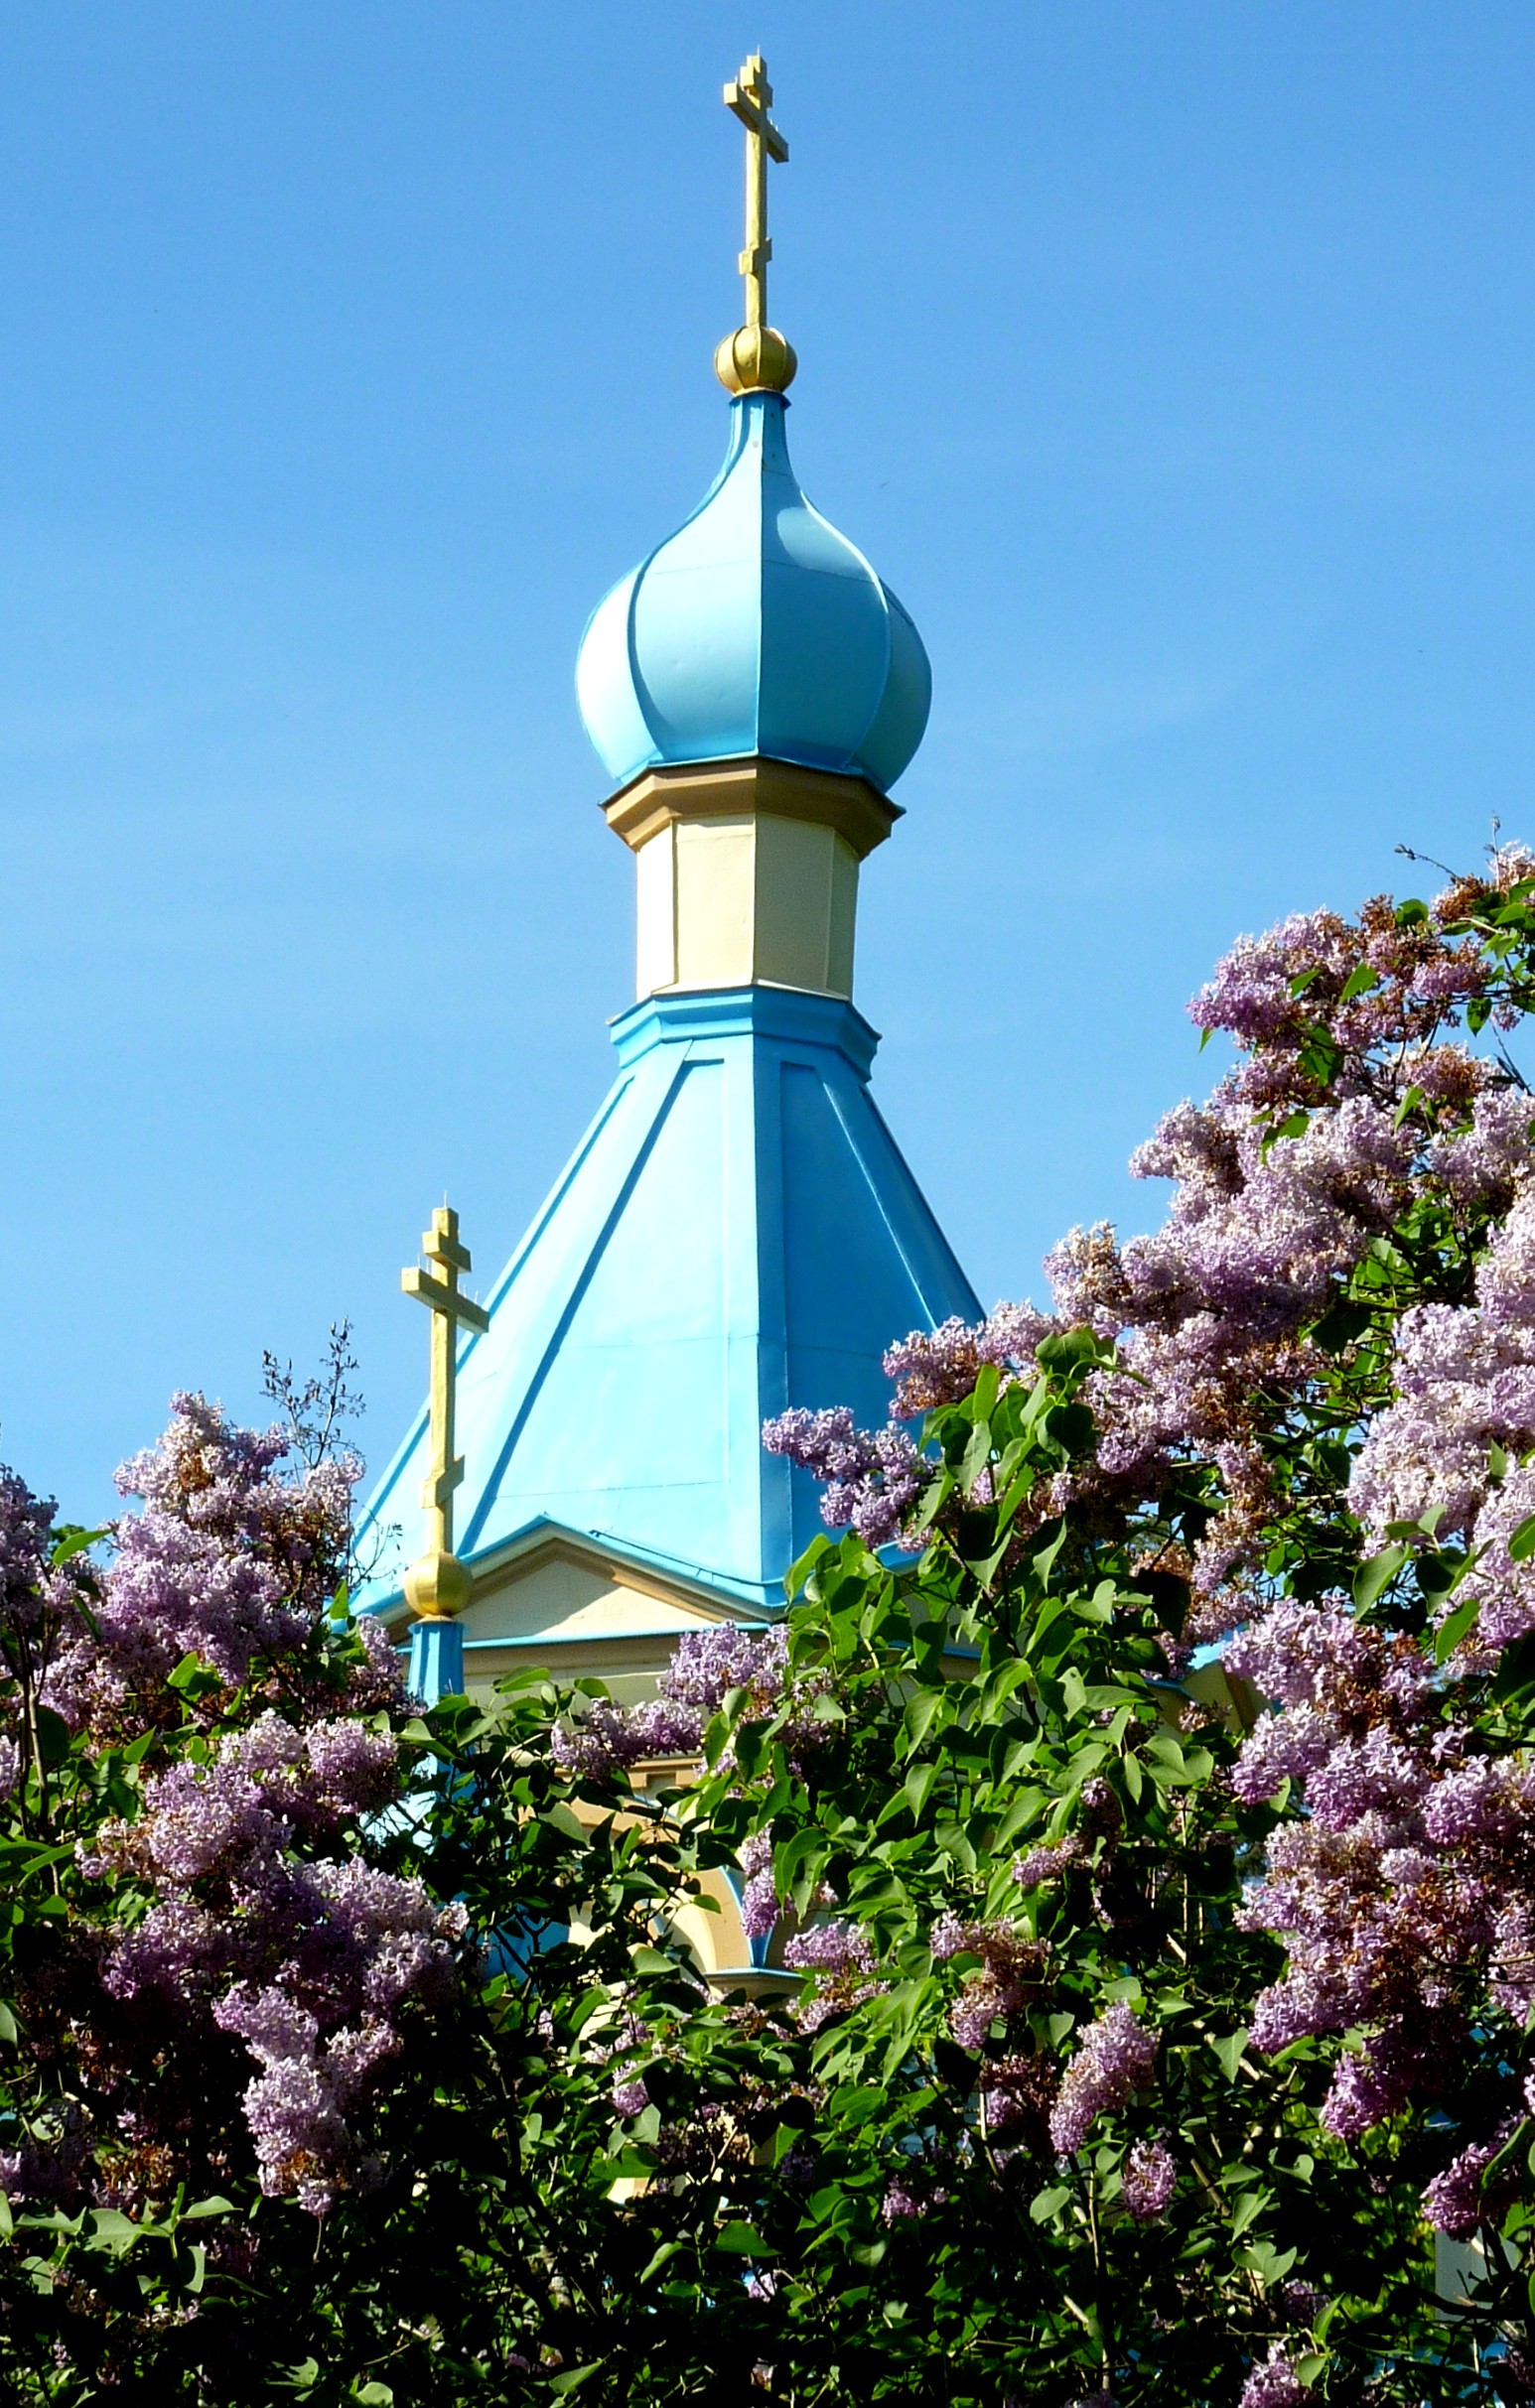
[[976, 1456], [575, 2375], [953, 1840], [374, 2395], [111, 2229], [854, 2105], [1229, 2051], [1045, 2204], [741, 2240], [651, 1960], [1375, 1576], [73, 1542], [799, 1571], [1452, 1630], [920, 1713], [53, 1735], [1070, 1348], [1521, 1542], [623, 2165], [192, 1679], [1363, 979], [8, 2026], [919, 1788], [1071, 1426]]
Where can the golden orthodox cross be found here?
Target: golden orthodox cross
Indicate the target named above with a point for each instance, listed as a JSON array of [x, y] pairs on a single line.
[[449, 1309], [750, 97]]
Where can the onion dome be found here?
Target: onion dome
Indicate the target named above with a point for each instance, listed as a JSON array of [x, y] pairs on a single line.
[[755, 629]]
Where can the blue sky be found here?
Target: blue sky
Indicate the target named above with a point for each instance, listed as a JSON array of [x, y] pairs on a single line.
[[1175, 364]]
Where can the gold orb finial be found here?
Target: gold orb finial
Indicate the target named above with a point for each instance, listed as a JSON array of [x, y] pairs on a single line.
[[756, 359], [438, 1587]]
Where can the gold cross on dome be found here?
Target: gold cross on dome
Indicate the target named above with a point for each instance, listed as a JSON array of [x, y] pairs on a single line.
[[750, 97], [449, 1310]]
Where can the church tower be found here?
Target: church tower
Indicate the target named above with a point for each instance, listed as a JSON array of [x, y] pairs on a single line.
[[737, 1232]]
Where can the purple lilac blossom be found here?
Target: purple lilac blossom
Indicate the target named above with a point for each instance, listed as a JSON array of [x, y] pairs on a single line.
[[1115, 2058], [1047, 1863], [1009, 1972], [841, 1958], [759, 1898], [1274, 2382], [872, 1478], [1149, 2179], [1452, 2201], [901, 2202]]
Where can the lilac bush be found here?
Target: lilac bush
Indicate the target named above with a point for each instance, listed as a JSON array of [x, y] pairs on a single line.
[[1141, 1791], [1299, 1416], [187, 1722]]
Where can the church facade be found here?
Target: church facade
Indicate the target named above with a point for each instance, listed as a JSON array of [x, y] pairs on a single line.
[[737, 1232]]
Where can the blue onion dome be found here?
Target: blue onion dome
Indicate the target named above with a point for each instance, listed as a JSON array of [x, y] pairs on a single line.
[[756, 629]]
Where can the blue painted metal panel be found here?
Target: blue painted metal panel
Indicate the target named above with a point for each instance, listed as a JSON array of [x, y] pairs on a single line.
[[436, 1661], [755, 628], [736, 1233]]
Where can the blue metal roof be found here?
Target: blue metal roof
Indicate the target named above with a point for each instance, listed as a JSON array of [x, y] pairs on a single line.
[[736, 1233], [756, 629]]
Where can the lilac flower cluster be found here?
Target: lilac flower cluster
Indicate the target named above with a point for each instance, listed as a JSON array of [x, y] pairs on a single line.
[[232, 1558], [1149, 2179], [872, 1478], [902, 2202], [1404, 1893], [1005, 1982], [705, 1667], [841, 1957], [758, 1897], [1464, 1376], [310, 1962], [1455, 2201], [1114, 2060], [259, 1913], [1047, 1862], [934, 1367], [1274, 2382]]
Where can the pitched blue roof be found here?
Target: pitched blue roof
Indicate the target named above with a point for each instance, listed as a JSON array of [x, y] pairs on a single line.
[[736, 1233], [756, 629]]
